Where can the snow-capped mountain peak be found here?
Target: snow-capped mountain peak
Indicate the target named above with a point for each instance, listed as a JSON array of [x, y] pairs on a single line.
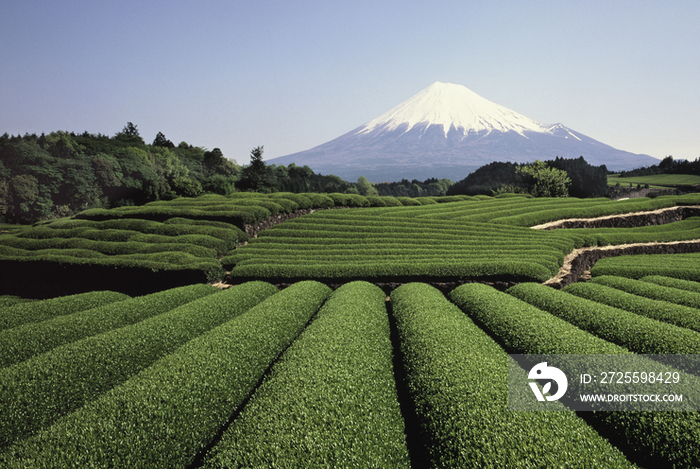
[[446, 131], [449, 105]]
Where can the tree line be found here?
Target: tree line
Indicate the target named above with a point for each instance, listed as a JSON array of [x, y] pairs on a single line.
[[666, 166], [560, 177], [62, 173]]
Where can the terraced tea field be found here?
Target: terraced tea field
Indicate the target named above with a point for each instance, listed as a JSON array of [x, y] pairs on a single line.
[[469, 240], [259, 375]]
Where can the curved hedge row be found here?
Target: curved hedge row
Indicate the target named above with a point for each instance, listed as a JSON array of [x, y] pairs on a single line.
[[36, 392], [678, 315], [166, 414], [35, 311], [680, 266], [637, 333], [380, 271], [23, 342], [650, 290], [332, 393], [457, 378], [672, 282], [595, 208], [660, 439]]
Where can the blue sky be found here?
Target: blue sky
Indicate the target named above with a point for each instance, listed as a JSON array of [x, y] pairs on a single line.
[[293, 75]]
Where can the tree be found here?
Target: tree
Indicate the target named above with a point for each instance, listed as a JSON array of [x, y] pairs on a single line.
[[130, 135], [549, 182], [255, 175], [161, 141], [130, 130], [365, 187]]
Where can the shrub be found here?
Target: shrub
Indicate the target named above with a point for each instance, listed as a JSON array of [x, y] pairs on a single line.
[[319, 200], [375, 201], [457, 378], [302, 201], [408, 201], [680, 266], [678, 315], [36, 392], [35, 311], [391, 201], [28, 340], [332, 393], [166, 414], [632, 331], [650, 290], [673, 283], [660, 439]]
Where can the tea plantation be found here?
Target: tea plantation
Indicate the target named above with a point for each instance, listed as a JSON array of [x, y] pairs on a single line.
[[281, 370]]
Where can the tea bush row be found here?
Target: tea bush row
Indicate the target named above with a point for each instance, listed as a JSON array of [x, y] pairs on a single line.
[[682, 316], [438, 268], [458, 381], [596, 208], [36, 392], [673, 283], [23, 342], [331, 399], [113, 248], [637, 333], [651, 290], [680, 266], [35, 311], [660, 439], [164, 416]]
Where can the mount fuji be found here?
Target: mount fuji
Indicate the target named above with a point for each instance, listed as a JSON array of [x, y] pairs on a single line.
[[447, 131]]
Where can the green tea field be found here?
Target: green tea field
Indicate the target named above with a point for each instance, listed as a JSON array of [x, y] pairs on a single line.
[[345, 331]]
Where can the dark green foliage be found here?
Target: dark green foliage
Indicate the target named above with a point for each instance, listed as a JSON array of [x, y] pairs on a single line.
[[407, 201], [637, 333], [660, 439], [36, 311], [62, 173], [521, 327], [586, 180], [166, 414], [488, 179], [22, 342], [36, 392], [415, 188], [457, 378], [680, 266], [332, 393], [11, 300], [673, 283], [650, 290], [667, 166], [671, 313]]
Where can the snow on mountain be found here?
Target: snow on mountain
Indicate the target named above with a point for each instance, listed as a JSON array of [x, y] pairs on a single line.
[[447, 131], [448, 105]]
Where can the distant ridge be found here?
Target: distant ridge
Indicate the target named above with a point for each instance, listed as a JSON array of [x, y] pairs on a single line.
[[447, 131]]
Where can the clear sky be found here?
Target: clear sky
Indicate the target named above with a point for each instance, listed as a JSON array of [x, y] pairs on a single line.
[[291, 75]]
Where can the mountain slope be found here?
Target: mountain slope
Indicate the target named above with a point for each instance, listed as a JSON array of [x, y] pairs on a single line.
[[446, 131]]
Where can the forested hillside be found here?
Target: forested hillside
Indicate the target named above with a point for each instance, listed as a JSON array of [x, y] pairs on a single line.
[[63, 173]]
